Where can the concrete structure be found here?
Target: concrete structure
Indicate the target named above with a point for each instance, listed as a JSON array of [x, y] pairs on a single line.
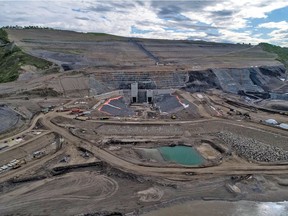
[[134, 92], [138, 94], [284, 126], [149, 95], [141, 95]]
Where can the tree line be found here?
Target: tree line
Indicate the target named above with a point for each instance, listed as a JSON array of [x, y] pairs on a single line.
[[25, 27]]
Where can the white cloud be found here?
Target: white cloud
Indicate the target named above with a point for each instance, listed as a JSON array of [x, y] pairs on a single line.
[[240, 11], [280, 34], [274, 25], [228, 18], [240, 37]]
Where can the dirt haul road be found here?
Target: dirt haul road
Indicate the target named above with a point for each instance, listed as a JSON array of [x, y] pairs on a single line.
[[173, 173], [157, 171], [32, 125]]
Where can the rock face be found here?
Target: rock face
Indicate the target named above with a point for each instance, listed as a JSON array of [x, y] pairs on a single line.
[[202, 80], [233, 80], [251, 149], [8, 119], [256, 80]]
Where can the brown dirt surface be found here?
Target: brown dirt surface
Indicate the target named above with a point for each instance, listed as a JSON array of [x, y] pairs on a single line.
[[94, 167], [207, 151], [73, 187], [113, 50]]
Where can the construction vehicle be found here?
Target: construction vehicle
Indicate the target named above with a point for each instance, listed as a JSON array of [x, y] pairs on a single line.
[[38, 154], [104, 118], [173, 117], [81, 118], [18, 163], [62, 109], [14, 164], [76, 111]]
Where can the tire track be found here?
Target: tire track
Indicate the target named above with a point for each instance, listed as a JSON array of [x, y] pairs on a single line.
[[70, 187]]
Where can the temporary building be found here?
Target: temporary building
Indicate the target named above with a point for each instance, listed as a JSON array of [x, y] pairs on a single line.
[[271, 121], [284, 126]]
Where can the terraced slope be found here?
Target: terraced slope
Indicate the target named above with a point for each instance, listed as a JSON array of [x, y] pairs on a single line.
[[104, 63], [77, 50]]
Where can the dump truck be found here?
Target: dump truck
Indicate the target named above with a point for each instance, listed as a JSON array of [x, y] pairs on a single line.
[[76, 111], [38, 154], [104, 118], [81, 118], [173, 117]]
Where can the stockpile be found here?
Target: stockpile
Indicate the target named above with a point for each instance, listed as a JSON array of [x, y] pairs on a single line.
[[252, 149], [8, 118]]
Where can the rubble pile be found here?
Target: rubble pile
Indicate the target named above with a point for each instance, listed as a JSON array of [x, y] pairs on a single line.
[[252, 149]]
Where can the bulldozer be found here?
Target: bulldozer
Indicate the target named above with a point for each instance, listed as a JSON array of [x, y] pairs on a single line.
[[173, 117]]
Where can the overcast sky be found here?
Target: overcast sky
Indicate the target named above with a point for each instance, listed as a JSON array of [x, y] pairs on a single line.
[[248, 21]]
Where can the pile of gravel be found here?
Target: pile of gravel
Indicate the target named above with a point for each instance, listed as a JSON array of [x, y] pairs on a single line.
[[101, 214], [253, 149]]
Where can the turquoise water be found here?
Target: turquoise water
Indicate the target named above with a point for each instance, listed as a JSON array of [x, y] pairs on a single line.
[[182, 155]]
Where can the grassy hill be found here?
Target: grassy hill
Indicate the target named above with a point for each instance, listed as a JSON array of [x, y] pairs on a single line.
[[3, 36], [282, 52], [12, 58]]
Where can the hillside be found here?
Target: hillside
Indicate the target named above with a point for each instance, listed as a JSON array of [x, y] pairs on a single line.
[[76, 50], [12, 59], [42, 48], [282, 52]]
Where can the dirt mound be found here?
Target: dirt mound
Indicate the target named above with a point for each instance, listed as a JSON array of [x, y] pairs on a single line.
[[102, 214], [253, 149], [150, 195], [8, 118], [73, 186]]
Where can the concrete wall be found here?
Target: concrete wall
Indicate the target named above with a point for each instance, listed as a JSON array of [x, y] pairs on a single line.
[[150, 96], [144, 94], [134, 92]]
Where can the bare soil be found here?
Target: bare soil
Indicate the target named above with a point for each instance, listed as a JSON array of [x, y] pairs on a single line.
[[92, 163]]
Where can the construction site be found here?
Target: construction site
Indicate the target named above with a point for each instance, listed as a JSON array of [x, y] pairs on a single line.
[[132, 126]]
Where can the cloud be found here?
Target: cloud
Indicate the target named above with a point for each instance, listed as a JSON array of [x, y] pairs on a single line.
[[218, 20], [82, 18], [99, 8], [275, 25], [279, 33], [223, 13], [172, 13]]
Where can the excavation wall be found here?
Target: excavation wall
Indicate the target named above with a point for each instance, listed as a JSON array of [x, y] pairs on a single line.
[[232, 80], [235, 80]]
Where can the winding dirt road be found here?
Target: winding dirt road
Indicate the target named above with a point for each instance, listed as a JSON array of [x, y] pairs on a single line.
[[168, 172]]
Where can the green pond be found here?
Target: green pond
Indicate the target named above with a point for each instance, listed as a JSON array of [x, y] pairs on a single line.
[[182, 155]]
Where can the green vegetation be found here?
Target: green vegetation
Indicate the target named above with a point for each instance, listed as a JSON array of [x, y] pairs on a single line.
[[282, 52], [105, 36], [12, 58], [99, 34], [26, 27], [102, 34], [43, 92], [3, 36]]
